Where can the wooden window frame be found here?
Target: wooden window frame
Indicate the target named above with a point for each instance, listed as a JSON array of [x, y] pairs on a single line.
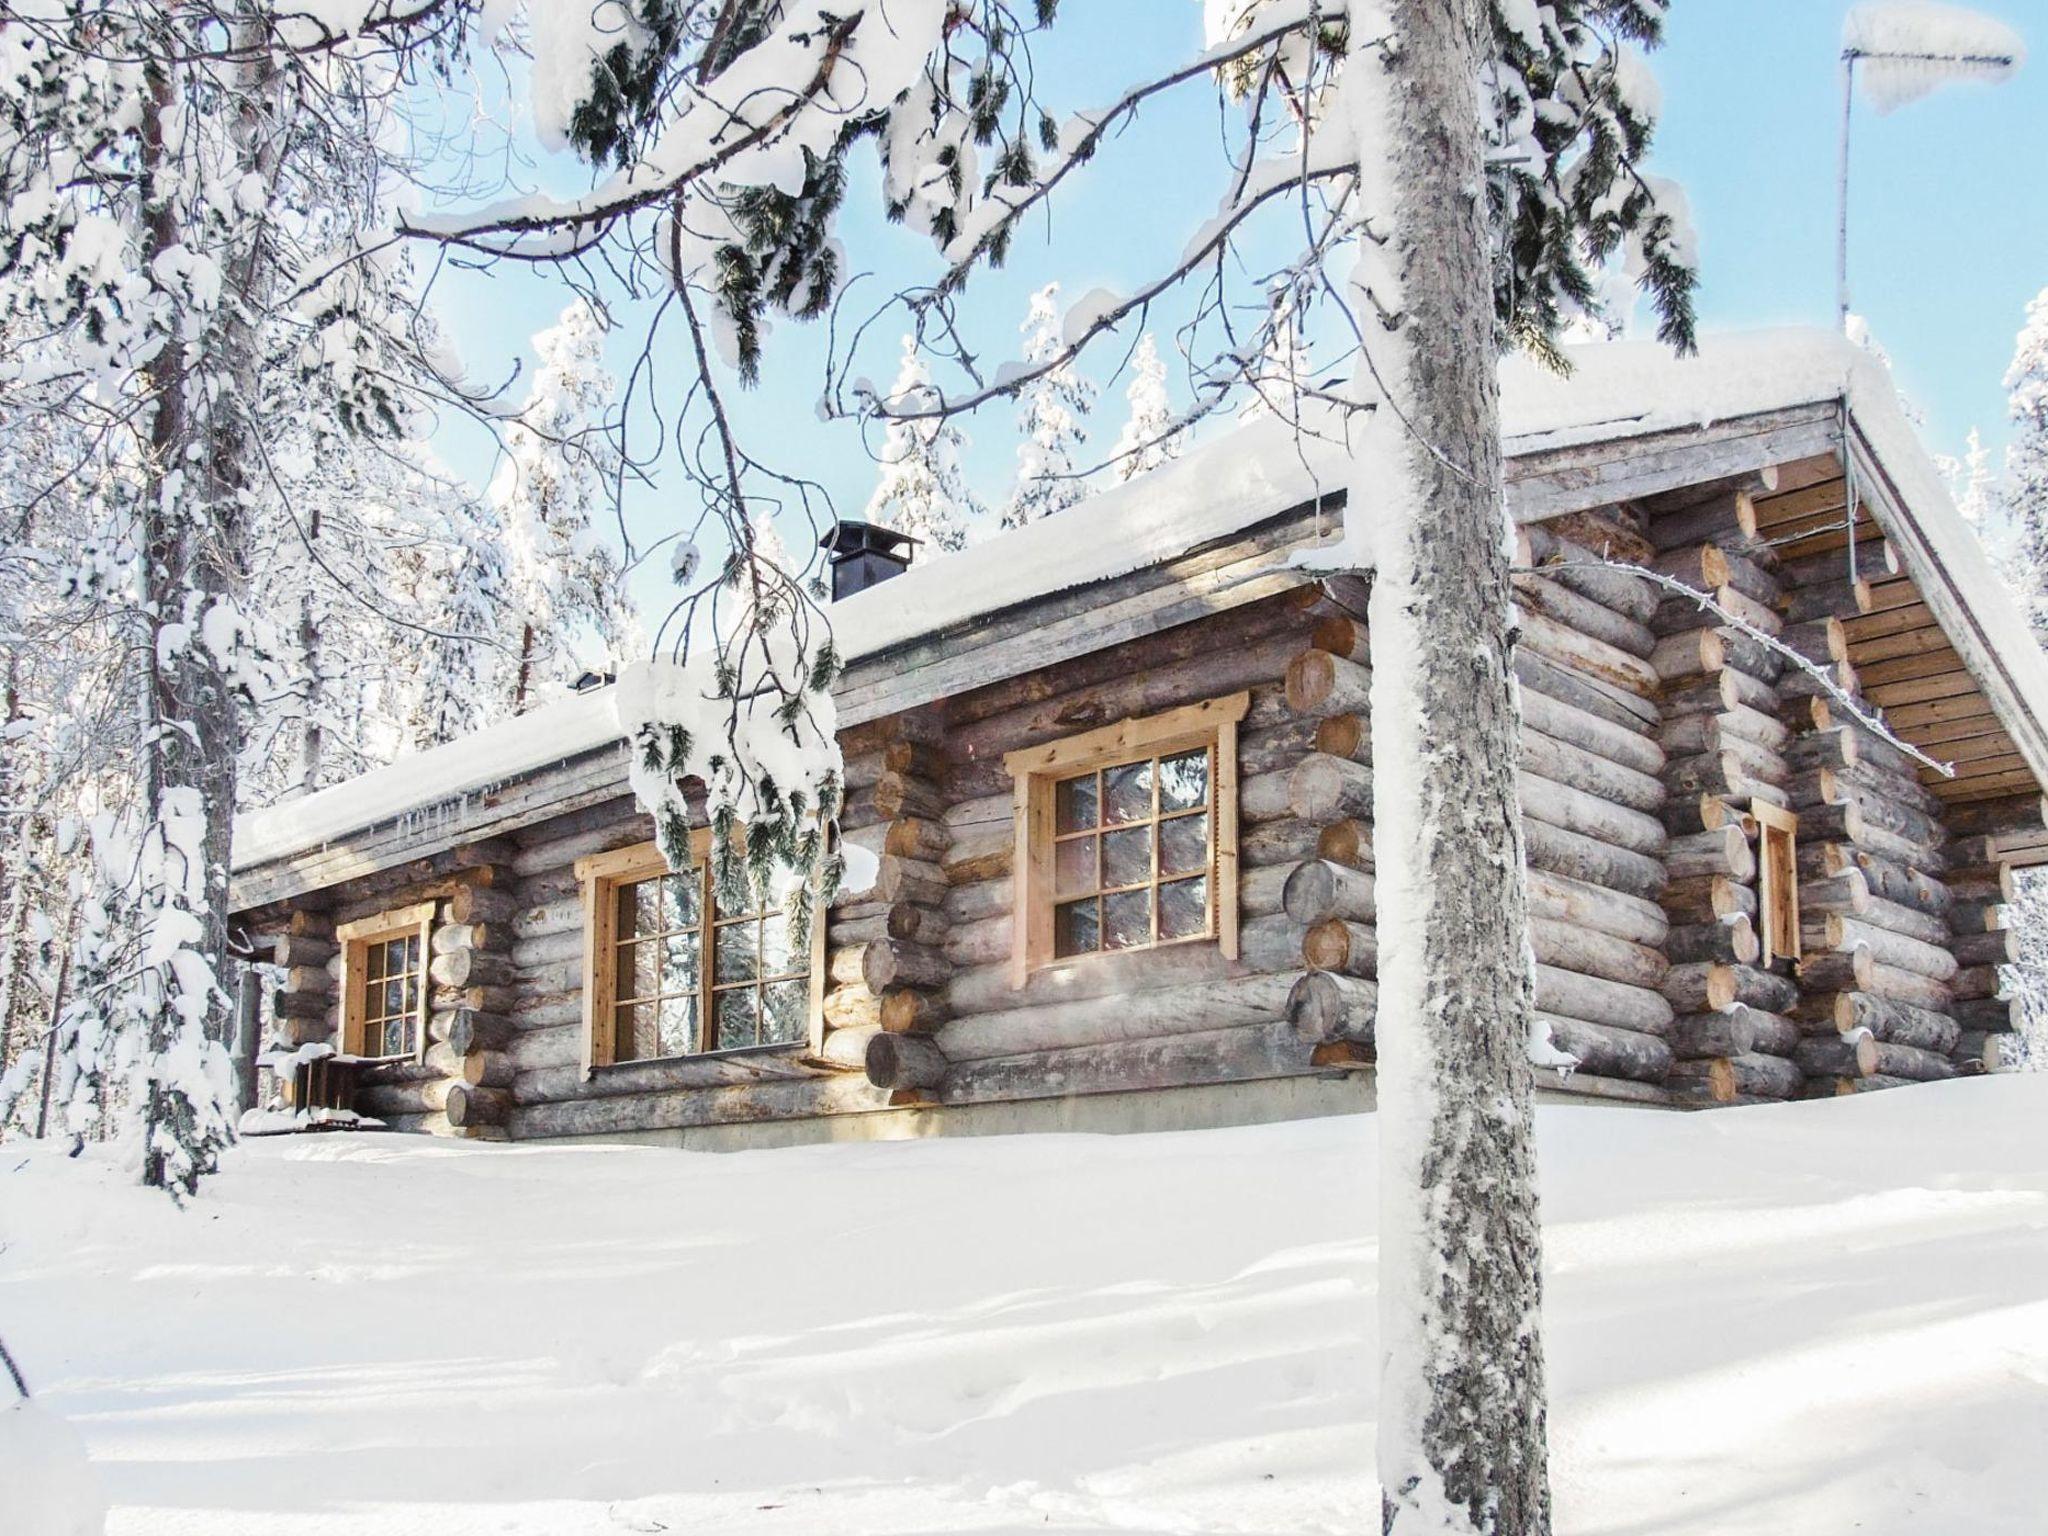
[[600, 875], [1036, 771], [355, 939], [1777, 891]]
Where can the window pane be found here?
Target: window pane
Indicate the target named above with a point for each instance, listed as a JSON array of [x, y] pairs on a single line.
[[786, 1008], [639, 973], [679, 901], [412, 994], [1183, 909], [1184, 781], [412, 953], [1127, 857], [1127, 792], [1077, 803], [1076, 928], [1184, 845], [680, 971], [639, 910], [734, 1012], [639, 1037], [783, 952], [1073, 867], [737, 951], [392, 1003], [1127, 920], [676, 1026]]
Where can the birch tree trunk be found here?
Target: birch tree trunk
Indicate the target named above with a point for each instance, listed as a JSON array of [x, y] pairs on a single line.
[[1462, 1432]]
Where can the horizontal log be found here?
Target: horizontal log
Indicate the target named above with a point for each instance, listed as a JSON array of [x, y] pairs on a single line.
[[1346, 842], [294, 951], [1322, 788], [474, 968], [1898, 1060], [906, 1011], [1350, 949], [1734, 1032], [1607, 1050], [2000, 948], [1572, 565], [1898, 1023], [1729, 1079], [470, 1105], [471, 903], [1986, 1013], [1708, 988], [1560, 762], [1707, 899], [1341, 635], [1556, 680], [1563, 899], [1326, 1006], [820, 1094], [1687, 814], [1731, 940], [1837, 931], [897, 1062], [1071, 1022], [1725, 852], [894, 963], [1571, 947], [1578, 857], [1589, 997], [1283, 843], [1625, 745], [1582, 653], [1585, 616], [1576, 810], [852, 1007], [1319, 683], [1851, 1055], [1319, 890]]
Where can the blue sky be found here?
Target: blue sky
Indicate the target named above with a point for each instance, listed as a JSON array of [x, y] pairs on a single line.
[[1949, 231]]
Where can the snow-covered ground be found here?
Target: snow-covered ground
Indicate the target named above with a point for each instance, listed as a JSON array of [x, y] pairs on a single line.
[[1821, 1318]]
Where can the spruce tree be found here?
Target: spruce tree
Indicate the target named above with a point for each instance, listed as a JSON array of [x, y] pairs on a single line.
[[1049, 422], [923, 489], [1151, 434]]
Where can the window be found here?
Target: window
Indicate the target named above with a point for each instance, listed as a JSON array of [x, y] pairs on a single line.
[[1777, 880], [669, 971], [1127, 837], [384, 982]]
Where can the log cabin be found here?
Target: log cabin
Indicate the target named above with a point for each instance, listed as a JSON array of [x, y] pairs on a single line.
[[1115, 773]]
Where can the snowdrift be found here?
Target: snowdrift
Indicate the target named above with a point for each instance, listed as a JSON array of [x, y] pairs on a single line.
[[1813, 1318]]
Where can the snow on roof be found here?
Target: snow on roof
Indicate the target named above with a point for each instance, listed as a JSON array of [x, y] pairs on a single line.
[[1617, 390]]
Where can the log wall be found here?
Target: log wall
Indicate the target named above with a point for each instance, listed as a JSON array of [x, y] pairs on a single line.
[[1651, 728]]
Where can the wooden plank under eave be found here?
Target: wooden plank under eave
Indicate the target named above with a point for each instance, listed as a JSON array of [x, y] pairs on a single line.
[[1864, 626], [1990, 787], [1553, 484]]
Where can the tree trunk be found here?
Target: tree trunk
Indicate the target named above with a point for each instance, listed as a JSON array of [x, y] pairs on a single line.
[[1462, 1418]]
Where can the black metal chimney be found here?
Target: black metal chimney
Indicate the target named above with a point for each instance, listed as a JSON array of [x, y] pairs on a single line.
[[864, 555]]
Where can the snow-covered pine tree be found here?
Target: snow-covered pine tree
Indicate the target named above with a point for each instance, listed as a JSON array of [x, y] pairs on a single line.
[[923, 489], [1152, 433], [1051, 408], [2026, 463], [193, 207], [1281, 372], [2025, 503], [559, 469]]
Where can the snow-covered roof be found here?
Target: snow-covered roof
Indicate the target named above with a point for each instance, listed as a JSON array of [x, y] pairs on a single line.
[[1617, 390]]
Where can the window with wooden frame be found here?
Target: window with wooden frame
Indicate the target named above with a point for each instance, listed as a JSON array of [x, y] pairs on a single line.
[[1777, 898], [1127, 837], [384, 982], [668, 970]]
